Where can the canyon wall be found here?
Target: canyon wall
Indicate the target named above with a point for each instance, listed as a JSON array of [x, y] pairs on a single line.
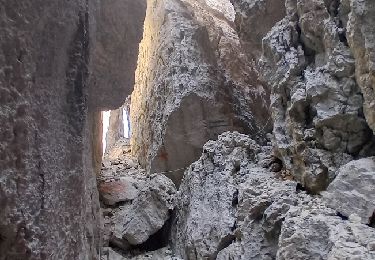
[[193, 82], [304, 191], [320, 92], [50, 121]]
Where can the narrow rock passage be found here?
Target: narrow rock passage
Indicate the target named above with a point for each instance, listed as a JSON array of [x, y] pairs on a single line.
[[251, 130]]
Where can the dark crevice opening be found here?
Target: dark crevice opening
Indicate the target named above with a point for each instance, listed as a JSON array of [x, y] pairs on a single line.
[[158, 240], [333, 8], [342, 34], [224, 243], [235, 199], [343, 217], [309, 53], [310, 113], [234, 227], [372, 220], [300, 188]]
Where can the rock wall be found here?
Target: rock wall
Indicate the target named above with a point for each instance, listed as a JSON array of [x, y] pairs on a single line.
[[114, 58], [230, 206], [193, 82], [49, 148], [318, 91], [360, 34]]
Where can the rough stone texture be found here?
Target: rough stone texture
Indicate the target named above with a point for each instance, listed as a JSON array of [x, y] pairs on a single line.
[[48, 198], [315, 232], [254, 19], [228, 207], [192, 83], [49, 148], [316, 102], [163, 253], [149, 211], [143, 203], [352, 191], [361, 33], [119, 31], [117, 191]]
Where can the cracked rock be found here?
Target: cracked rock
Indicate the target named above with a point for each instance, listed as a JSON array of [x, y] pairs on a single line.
[[352, 191]]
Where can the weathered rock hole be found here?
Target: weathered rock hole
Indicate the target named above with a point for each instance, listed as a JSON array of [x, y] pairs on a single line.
[[309, 53], [343, 217], [224, 243], [159, 239], [300, 188], [235, 199], [372, 220]]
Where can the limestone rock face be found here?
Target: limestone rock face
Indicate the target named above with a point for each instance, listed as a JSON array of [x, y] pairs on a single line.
[[360, 31], [316, 98], [315, 232], [193, 82], [229, 207], [352, 190], [254, 19], [49, 149], [205, 217], [48, 196], [114, 57]]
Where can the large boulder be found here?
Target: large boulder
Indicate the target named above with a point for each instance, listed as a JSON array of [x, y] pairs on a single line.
[[352, 191], [314, 231], [193, 82], [149, 211], [120, 190]]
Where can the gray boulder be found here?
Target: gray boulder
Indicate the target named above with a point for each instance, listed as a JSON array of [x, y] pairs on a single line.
[[352, 192], [149, 211], [313, 231]]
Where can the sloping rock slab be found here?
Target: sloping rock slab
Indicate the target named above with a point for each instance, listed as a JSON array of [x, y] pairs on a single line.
[[352, 192]]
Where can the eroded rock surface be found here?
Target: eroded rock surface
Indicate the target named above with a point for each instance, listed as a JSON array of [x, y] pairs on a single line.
[[50, 131], [360, 31], [136, 205], [253, 20], [163, 253], [316, 98], [229, 207], [315, 232], [48, 196], [192, 83], [114, 57], [352, 190]]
